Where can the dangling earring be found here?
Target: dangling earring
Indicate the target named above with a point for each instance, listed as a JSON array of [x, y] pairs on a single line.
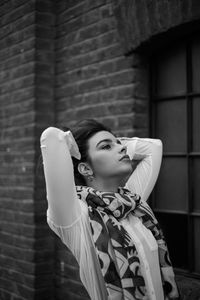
[[90, 177]]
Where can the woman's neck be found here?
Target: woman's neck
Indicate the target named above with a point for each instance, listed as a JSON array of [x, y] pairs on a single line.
[[108, 185]]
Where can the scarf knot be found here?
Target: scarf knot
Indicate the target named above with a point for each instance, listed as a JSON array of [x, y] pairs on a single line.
[[118, 204]]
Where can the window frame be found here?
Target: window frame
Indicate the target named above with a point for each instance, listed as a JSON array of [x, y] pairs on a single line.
[[189, 95]]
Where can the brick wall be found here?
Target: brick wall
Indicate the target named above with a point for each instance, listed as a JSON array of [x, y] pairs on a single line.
[[93, 77], [44, 117], [16, 149], [60, 61], [25, 241], [144, 21]]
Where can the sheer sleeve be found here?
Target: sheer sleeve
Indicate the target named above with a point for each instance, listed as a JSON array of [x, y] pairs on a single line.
[[63, 204], [148, 153]]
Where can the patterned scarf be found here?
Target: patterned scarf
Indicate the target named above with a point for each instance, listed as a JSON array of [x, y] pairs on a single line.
[[117, 254]]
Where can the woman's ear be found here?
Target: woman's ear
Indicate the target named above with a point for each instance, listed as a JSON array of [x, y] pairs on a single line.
[[84, 169]]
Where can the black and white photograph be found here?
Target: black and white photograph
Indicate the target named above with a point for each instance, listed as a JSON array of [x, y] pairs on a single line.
[[99, 150]]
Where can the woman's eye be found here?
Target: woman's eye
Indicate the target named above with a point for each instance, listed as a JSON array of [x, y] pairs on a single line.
[[106, 147]]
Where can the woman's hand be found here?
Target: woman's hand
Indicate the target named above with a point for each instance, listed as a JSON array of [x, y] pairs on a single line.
[[72, 145]]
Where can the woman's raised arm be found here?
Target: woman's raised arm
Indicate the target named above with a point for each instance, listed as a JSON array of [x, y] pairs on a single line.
[[148, 154], [63, 203]]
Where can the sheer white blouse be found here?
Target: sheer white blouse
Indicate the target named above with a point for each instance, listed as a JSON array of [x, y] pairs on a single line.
[[68, 217]]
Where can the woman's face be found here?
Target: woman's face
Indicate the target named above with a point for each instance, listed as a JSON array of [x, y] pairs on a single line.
[[108, 156]]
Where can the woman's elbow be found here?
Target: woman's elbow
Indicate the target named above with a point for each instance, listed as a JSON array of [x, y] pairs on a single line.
[[159, 145], [50, 132]]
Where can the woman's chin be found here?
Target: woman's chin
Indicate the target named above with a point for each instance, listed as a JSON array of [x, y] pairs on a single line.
[[125, 172]]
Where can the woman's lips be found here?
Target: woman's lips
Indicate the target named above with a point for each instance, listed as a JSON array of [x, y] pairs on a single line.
[[125, 157]]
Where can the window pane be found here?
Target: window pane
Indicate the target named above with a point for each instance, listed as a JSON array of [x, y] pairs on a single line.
[[196, 124], [171, 188], [171, 72], [196, 183], [171, 125], [197, 243], [174, 227], [196, 65]]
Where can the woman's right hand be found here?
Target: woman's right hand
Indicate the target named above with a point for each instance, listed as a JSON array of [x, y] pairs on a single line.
[[72, 145]]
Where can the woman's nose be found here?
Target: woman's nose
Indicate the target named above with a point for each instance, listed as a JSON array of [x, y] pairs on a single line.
[[123, 149]]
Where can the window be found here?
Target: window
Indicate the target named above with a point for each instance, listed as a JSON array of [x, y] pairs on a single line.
[[175, 96]]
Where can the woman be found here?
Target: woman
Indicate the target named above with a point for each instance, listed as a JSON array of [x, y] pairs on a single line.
[[97, 206]]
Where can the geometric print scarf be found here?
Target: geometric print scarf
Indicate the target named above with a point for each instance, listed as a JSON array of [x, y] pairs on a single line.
[[117, 254]]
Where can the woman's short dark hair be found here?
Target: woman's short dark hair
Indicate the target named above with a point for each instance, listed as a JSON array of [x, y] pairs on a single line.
[[82, 132]]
